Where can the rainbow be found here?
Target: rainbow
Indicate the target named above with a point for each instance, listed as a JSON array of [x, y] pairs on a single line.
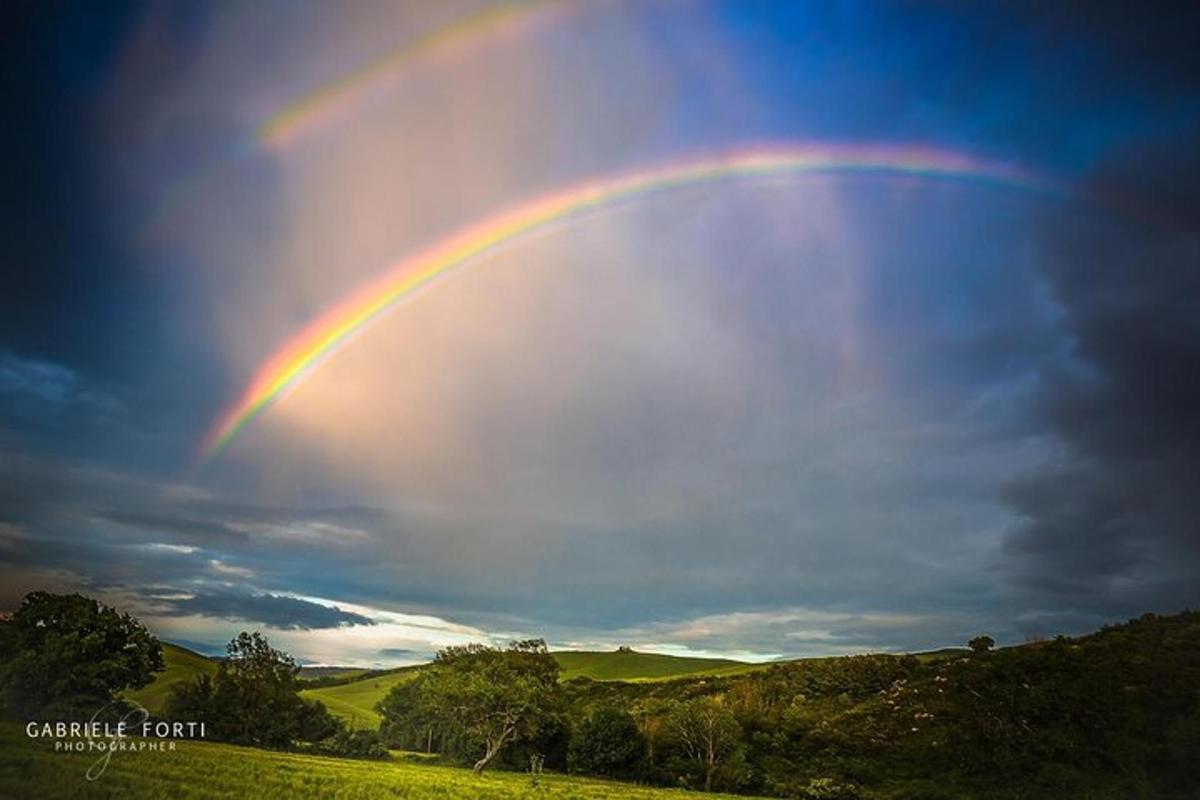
[[297, 359], [339, 98]]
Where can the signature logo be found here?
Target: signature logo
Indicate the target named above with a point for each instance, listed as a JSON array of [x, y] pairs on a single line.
[[132, 732]]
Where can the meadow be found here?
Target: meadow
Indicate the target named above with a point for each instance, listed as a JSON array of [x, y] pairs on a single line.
[[181, 665], [354, 702], [30, 768]]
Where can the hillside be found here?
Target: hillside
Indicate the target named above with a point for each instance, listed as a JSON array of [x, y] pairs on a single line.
[[354, 702], [630, 665], [1107, 716], [182, 665]]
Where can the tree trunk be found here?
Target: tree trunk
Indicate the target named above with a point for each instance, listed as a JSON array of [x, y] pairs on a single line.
[[492, 750], [710, 766], [429, 741]]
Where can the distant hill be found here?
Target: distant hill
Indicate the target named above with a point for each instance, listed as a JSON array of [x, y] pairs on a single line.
[[317, 673], [182, 665], [630, 665]]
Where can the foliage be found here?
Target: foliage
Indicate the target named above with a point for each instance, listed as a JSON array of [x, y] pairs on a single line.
[[1112, 715], [353, 744], [482, 696], [981, 644], [69, 656], [707, 733], [253, 699], [609, 743], [828, 789]]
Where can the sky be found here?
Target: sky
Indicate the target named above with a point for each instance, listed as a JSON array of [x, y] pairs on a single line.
[[791, 415]]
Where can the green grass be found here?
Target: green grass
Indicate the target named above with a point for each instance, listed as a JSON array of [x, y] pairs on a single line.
[[182, 665], [355, 702], [195, 770], [634, 666]]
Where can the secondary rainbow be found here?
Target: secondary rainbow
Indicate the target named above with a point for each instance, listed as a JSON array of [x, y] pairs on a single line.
[[339, 98], [322, 337]]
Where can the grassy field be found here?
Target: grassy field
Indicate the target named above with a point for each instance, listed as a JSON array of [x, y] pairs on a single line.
[[633, 666], [31, 768], [182, 665], [355, 702]]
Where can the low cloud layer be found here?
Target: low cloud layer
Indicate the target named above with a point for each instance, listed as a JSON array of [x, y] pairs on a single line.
[[274, 611]]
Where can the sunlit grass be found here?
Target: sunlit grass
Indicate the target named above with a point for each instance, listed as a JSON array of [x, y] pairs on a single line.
[[31, 769]]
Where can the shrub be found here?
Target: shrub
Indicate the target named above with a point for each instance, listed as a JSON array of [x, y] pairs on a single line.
[[609, 743]]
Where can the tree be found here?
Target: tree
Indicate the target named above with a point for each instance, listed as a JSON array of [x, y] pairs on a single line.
[[410, 722], [68, 655], [254, 699], [609, 742], [707, 732], [492, 697], [981, 644]]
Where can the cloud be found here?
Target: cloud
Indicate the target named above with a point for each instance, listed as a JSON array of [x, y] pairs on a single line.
[[211, 532], [1110, 524], [768, 635], [275, 611], [40, 394], [44, 381]]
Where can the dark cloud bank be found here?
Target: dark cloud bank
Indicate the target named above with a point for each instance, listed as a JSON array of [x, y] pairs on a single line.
[[285, 613], [1114, 525]]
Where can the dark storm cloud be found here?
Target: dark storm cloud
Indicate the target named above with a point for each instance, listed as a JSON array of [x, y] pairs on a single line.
[[1114, 526], [276, 611], [1154, 45], [175, 527]]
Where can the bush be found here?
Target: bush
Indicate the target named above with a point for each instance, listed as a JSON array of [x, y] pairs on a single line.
[[829, 789], [609, 743], [354, 744]]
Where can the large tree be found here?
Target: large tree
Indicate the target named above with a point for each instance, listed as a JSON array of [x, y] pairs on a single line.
[[253, 699], [491, 696], [69, 655]]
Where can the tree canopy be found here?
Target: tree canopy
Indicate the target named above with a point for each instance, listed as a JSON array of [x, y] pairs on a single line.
[[254, 699], [609, 743], [69, 655], [489, 696]]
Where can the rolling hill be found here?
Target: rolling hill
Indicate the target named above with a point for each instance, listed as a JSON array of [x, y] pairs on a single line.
[[182, 665], [630, 665], [355, 700]]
